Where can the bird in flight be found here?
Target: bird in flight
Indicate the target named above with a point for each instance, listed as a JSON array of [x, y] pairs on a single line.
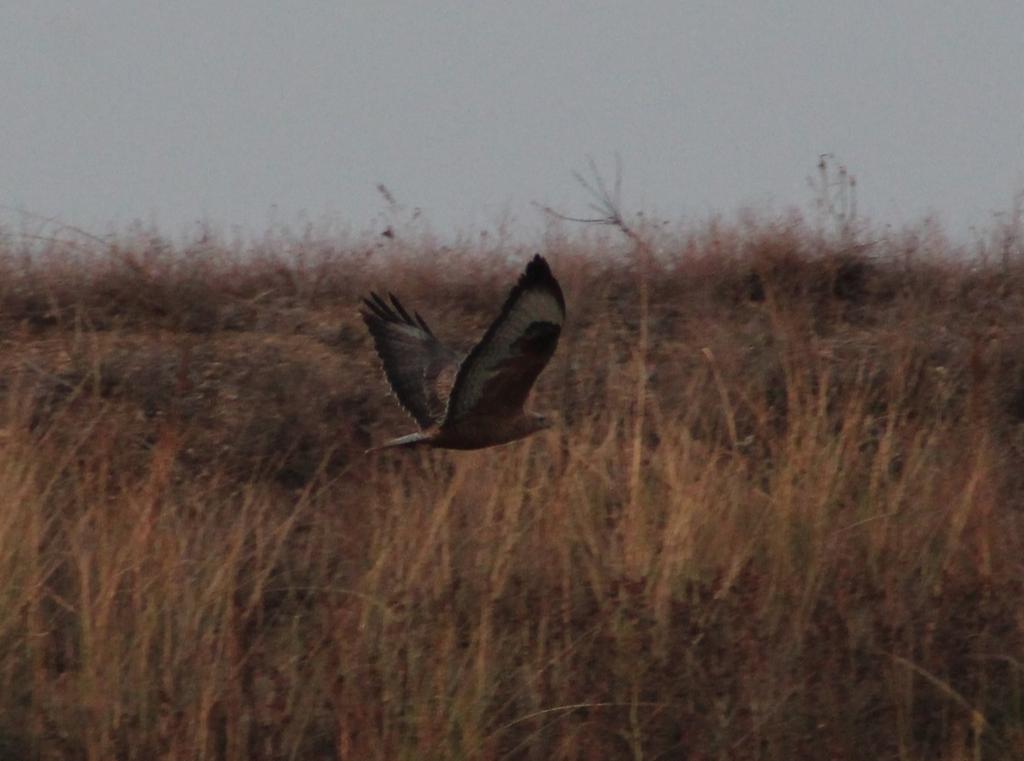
[[476, 402]]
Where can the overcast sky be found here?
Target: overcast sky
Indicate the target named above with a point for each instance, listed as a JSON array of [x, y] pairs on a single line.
[[250, 113]]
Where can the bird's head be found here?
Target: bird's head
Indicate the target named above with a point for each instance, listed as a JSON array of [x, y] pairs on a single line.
[[542, 422]]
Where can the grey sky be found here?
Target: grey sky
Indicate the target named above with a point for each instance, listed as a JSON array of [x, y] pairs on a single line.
[[112, 110]]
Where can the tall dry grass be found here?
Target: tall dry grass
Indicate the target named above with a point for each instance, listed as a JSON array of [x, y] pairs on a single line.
[[821, 556]]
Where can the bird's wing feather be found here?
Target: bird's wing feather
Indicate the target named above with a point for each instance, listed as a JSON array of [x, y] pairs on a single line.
[[418, 367], [496, 376]]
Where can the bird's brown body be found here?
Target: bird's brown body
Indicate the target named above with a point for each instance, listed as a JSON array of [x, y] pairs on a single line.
[[487, 433], [476, 402]]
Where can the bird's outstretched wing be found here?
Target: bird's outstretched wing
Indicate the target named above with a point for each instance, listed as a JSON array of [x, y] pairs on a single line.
[[419, 368], [496, 376]]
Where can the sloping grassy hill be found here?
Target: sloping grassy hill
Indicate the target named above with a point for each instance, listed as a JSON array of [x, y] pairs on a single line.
[[781, 517]]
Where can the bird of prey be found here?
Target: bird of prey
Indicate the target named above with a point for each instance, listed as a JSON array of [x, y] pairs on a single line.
[[476, 402]]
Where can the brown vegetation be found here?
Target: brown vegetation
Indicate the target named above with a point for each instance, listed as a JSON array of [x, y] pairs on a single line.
[[806, 542]]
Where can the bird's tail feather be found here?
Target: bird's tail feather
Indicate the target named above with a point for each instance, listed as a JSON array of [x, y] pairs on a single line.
[[409, 440]]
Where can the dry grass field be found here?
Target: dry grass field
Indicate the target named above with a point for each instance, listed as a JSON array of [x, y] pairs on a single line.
[[781, 517]]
